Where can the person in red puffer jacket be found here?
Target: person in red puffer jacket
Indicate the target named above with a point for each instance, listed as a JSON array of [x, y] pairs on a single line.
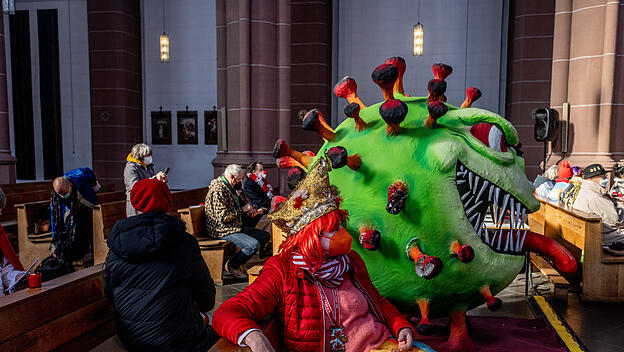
[[317, 288]]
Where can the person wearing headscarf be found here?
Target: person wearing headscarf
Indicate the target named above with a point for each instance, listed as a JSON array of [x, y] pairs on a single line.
[[139, 166], [316, 288], [156, 278]]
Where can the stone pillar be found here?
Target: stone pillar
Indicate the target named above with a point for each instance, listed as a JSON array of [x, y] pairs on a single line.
[[529, 66], [589, 31], [7, 161], [116, 84]]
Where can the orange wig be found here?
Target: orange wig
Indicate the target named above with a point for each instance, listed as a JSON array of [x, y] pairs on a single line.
[[307, 241]]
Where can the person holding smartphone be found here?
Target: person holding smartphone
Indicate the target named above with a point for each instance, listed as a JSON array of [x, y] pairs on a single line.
[[139, 166]]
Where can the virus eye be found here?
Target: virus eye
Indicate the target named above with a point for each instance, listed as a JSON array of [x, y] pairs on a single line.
[[490, 135]]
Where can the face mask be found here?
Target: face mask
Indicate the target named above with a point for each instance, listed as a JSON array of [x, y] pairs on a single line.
[[147, 160], [65, 196], [238, 186], [96, 187], [337, 242], [604, 182]]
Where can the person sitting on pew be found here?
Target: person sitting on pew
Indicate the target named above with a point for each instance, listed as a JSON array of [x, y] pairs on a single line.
[[258, 191], [156, 278], [593, 198], [544, 183], [139, 165], [224, 212], [73, 198], [10, 267]]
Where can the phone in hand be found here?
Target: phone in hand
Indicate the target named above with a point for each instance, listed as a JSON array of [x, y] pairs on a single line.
[[167, 171]]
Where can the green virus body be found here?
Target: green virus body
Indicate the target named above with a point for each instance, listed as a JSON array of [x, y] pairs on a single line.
[[419, 178]]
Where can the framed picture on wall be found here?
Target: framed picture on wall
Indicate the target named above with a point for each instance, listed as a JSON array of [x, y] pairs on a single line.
[[210, 130], [161, 127], [187, 127]]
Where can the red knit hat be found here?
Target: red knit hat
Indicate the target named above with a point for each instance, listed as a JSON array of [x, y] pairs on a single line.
[[565, 171], [151, 195]]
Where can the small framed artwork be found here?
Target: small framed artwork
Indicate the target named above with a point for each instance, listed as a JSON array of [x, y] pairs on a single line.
[[187, 127], [210, 130], [161, 127]]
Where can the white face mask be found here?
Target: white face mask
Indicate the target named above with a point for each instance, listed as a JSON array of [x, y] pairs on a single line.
[[97, 186], [604, 182], [147, 160]]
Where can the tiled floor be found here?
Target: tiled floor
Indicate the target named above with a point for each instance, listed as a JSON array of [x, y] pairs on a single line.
[[599, 325]]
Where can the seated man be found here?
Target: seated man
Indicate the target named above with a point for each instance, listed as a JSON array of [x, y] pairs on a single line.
[[156, 278], [565, 173], [224, 210], [593, 198], [73, 199], [544, 183], [258, 191]]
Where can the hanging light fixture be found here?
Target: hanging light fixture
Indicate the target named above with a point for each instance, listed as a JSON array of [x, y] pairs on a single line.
[[8, 7], [164, 41], [418, 35]]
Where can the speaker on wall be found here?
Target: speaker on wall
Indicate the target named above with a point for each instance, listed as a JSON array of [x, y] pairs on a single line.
[[545, 124]]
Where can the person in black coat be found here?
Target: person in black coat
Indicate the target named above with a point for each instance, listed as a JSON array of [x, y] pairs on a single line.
[[156, 278], [256, 195]]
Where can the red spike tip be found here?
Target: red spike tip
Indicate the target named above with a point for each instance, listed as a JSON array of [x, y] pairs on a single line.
[[314, 121], [353, 111], [347, 88], [472, 95], [393, 113], [441, 71], [384, 76], [399, 62], [436, 110]]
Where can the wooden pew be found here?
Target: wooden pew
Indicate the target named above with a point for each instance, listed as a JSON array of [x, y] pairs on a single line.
[[108, 213], [69, 313], [21, 193], [213, 251], [31, 245], [581, 233]]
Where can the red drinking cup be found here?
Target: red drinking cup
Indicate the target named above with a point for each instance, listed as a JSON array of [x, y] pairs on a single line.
[[34, 280]]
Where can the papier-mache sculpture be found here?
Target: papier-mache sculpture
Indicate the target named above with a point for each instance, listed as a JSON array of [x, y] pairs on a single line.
[[421, 177]]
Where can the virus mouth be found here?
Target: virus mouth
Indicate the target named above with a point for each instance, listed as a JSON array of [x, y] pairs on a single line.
[[483, 199]]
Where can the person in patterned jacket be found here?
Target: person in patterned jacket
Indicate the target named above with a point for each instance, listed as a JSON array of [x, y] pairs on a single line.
[[224, 210]]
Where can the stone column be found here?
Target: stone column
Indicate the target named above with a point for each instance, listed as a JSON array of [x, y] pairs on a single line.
[[593, 64], [116, 84], [7, 161]]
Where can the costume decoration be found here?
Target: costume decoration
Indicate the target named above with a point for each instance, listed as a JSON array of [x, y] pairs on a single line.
[[436, 255], [263, 183]]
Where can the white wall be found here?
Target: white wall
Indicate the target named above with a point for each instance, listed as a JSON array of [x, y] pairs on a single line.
[[74, 81], [190, 78], [469, 35]]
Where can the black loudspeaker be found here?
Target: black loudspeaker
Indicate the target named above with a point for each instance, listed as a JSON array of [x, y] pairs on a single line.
[[545, 124]]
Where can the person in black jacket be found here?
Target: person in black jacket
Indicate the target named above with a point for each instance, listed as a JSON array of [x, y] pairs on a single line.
[[257, 190], [156, 278]]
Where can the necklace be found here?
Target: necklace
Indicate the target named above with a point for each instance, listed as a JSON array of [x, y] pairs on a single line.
[[337, 336]]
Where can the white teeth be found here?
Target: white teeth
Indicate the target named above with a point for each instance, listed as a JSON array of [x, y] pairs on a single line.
[[486, 235], [509, 241], [491, 191], [476, 184], [459, 182], [463, 173], [499, 233], [524, 232], [470, 178], [472, 217], [469, 211], [523, 222], [461, 167], [503, 209], [465, 196], [497, 194], [512, 217], [485, 184], [478, 221]]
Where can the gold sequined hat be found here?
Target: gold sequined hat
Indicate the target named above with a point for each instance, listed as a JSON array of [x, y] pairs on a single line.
[[312, 198]]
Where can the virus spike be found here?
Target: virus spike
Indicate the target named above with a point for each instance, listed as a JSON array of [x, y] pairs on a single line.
[[347, 88], [464, 253], [393, 113], [282, 149], [459, 339], [399, 62], [314, 121], [353, 111], [397, 192], [436, 88], [436, 110], [369, 238], [427, 266], [441, 71], [493, 303], [425, 326], [295, 175], [354, 162], [287, 162], [309, 152], [337, 156], [384, 76], [472, 94]]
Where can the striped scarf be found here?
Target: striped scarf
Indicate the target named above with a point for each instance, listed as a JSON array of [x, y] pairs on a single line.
[[330, 273], [263, 183]]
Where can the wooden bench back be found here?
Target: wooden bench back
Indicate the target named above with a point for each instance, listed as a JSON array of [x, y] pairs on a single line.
[[184, 199], [195, 219], [69, 313]]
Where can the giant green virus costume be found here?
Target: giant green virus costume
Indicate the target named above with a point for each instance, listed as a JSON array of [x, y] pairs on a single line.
[[420, 177]]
